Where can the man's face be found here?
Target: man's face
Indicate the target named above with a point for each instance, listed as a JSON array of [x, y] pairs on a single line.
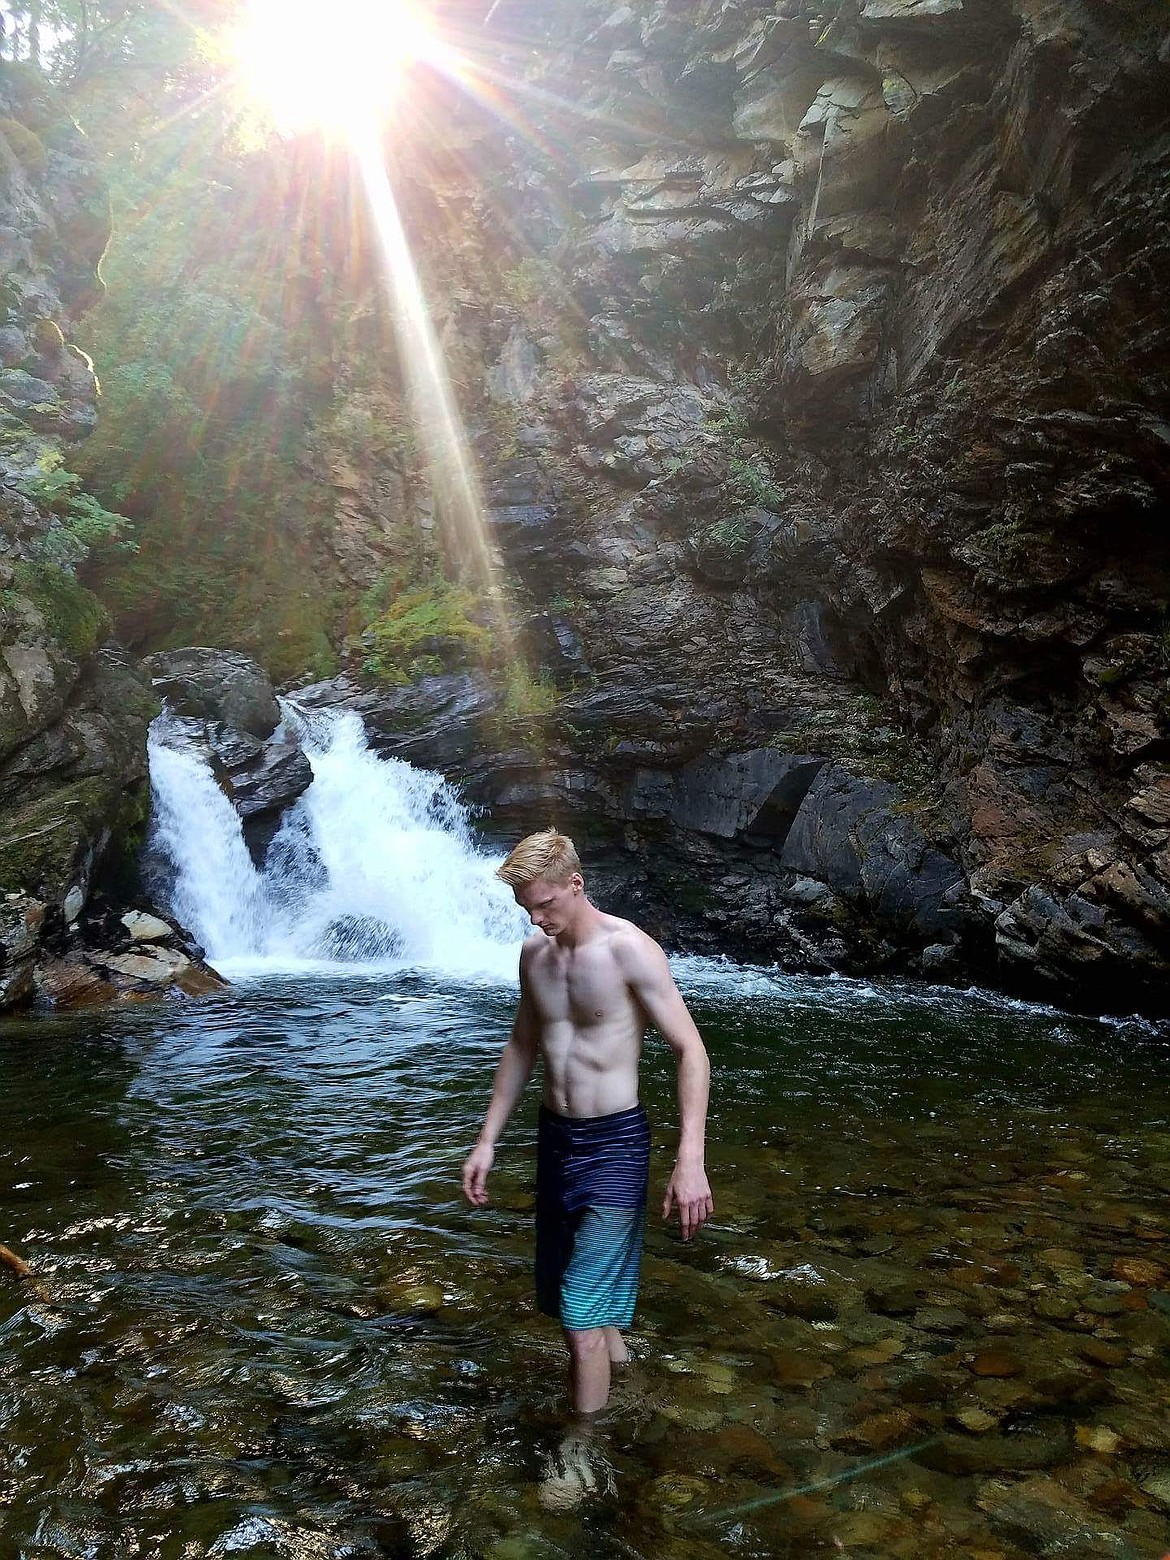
[[550, 905]]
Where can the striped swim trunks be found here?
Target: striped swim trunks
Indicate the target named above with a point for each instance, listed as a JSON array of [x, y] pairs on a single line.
[[591, 1176]]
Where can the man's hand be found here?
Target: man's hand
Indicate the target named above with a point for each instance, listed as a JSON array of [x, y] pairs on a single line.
[[690, 1190], [475, 1174]]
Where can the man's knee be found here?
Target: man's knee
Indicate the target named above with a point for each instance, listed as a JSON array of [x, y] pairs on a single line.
[[584, 1343]]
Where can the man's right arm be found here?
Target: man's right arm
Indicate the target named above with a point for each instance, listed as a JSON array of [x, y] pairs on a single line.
[[512, 1073]]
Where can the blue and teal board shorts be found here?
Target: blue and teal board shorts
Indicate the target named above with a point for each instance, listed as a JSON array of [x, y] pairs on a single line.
[[591, 1178]]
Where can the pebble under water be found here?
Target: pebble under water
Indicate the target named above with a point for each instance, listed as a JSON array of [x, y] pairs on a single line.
[[930, 1318]]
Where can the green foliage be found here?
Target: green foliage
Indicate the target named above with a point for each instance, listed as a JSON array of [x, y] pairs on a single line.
[[419, 630], [753, 483], [73, 614], [360, 427], [732, 423], [85, 521], [529, 697]]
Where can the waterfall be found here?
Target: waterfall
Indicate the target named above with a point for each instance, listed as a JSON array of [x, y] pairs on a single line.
[[375, 865]]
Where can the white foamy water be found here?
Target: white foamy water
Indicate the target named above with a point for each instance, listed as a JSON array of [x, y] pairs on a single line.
[[375, 866]]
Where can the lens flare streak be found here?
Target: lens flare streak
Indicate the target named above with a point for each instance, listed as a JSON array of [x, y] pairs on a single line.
[[456, 489]]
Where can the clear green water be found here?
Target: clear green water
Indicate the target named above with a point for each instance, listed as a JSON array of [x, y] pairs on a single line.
[[935, 1297]]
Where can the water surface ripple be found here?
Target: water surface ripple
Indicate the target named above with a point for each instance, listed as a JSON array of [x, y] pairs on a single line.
[[265, 1324]]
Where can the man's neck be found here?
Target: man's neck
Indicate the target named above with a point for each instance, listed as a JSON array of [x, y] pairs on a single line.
[[585, 926]]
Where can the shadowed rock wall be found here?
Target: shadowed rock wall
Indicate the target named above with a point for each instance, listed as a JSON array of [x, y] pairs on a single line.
[[73, 716], [836, 456]]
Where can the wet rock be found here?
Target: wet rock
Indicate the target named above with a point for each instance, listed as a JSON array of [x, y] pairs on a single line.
[[1053, 1307], [1068, 1391], [1141, 1271], [1156, 1484], [1043, 1446], [893, 1299], [216, 685], [792, 1368], [435, 722], [1040, 1513], [810, 1298], [941, 1319], [145, 928], [995, 1362], [878, 1433], [1099, 1352], [757, 793], [848, 835], [159, 968], [21, 920]]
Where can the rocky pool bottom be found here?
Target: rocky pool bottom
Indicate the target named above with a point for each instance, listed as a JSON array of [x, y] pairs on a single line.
[[931, 1318]]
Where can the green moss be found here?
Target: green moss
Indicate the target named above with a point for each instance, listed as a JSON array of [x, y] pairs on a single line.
[[128, 828], [420, 629], [529, 697], [690, 895], [73, 614], [859, 732], [25, 145], [42, 839]]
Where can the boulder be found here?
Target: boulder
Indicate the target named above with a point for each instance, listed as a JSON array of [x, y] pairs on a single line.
[[267, 779], [434, 722], [216, 685], [856, 836]]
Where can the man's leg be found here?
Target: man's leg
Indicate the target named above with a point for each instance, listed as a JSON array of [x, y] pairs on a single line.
[[588, 1368], [616, 1344]]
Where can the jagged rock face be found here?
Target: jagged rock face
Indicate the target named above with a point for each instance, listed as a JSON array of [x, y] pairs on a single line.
[[223, 706], [842, 431], [73, 717]]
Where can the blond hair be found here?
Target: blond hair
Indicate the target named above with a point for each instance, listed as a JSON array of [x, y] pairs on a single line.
[[546, 855]]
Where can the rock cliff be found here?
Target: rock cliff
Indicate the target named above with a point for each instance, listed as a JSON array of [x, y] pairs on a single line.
[[73, 715], [815, 359], [833, 477]]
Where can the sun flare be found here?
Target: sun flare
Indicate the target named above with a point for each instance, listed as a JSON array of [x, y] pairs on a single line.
[[334, 67]]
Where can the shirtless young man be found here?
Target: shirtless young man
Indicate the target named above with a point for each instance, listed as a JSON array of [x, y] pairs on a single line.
[[590, 984]]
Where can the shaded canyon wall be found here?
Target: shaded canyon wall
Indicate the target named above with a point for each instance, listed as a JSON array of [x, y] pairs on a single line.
[[824, 420]]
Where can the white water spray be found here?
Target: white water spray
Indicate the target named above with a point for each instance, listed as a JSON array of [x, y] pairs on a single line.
[[375, 865]]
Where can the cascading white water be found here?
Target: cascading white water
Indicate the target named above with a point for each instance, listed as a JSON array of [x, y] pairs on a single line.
[[374, 865]]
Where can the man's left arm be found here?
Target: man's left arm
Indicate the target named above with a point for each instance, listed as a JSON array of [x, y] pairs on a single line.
[[648, 974]]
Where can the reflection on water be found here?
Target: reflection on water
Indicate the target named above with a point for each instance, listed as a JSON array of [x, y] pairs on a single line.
[[933, 1313]]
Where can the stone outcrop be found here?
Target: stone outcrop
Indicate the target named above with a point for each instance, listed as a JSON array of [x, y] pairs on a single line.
[[216, 685], [222, 705], [841, 435], [73, 715], [118, 956]]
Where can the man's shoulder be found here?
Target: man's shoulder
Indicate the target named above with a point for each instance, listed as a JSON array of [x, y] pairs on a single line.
[[532, 948], [630, 945]]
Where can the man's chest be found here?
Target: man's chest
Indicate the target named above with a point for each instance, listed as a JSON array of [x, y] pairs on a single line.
[[583, 988]]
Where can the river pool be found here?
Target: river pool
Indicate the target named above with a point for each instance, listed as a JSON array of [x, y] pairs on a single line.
[[930, 1318]]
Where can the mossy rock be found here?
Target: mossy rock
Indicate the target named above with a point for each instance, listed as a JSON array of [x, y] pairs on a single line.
[[72, 614], [47, 336], [45, 840], [25, 145]]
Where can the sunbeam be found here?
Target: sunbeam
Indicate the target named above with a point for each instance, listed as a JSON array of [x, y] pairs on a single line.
[[331, 72], [458, 503]]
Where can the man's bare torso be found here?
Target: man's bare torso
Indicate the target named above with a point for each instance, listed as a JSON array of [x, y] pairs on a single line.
[[589, 1024]]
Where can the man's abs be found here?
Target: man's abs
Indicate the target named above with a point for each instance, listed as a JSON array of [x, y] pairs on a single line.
[[591, 1071], [589, 1026]]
